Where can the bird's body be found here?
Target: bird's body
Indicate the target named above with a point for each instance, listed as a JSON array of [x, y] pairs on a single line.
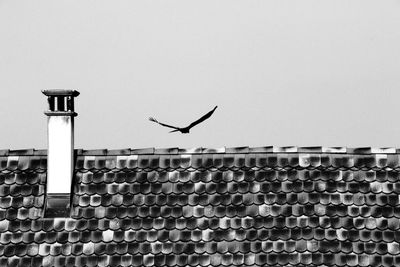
[[186, 129], [182, 130]]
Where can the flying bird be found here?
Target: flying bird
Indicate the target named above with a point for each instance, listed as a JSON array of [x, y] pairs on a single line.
[[187, 128]]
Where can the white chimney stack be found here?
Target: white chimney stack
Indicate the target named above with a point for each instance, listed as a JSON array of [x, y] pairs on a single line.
[[60, 153]]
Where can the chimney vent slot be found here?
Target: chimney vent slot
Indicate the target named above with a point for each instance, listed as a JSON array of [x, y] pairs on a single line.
[[70, 103], [51, 101], [60, 103]]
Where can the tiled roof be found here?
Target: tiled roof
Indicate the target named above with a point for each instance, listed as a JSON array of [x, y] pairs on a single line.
[[206, 207]]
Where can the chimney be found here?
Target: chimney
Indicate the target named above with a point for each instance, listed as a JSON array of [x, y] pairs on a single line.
[[60, 153]]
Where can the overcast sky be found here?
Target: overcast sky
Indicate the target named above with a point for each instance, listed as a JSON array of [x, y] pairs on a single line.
[[324, 73]]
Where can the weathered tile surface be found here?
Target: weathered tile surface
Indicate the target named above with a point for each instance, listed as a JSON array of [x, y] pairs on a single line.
[[225, 207]]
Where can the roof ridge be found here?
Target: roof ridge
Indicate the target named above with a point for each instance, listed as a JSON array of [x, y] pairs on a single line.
[[203, 150]]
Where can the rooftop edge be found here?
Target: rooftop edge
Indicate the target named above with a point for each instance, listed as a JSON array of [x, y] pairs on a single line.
[[202, 150]]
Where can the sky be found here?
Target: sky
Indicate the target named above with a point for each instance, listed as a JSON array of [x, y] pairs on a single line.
[[303, 73]]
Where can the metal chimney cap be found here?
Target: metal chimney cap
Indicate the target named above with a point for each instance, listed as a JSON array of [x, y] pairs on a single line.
[[60, 92]]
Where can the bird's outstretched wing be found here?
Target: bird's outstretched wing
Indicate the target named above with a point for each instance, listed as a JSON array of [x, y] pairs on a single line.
[[206, 116], [166, 125]]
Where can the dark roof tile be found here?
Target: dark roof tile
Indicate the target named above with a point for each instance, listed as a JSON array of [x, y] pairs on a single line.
[[94, 152], [172, 150], [213, 150], [244, 149], [119, 152], [149, 151], [21, 152], [4, 152], [194, 150]]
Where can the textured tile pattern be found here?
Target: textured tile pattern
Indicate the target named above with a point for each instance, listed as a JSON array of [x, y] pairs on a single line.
[[22, 187], [294, 207]]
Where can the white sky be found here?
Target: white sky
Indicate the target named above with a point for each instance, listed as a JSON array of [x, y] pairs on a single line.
[[282, 72]]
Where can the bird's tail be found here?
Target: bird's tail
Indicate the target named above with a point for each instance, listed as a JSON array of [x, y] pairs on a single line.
[[174, 131]]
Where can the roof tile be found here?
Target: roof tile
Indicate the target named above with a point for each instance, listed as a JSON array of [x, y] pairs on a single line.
[[148, 151]]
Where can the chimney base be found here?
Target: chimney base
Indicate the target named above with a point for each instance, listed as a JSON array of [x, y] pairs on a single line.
[[57, 205]]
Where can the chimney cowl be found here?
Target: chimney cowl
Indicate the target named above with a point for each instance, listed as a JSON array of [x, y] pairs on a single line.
[[61, 102], [60, 92]]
